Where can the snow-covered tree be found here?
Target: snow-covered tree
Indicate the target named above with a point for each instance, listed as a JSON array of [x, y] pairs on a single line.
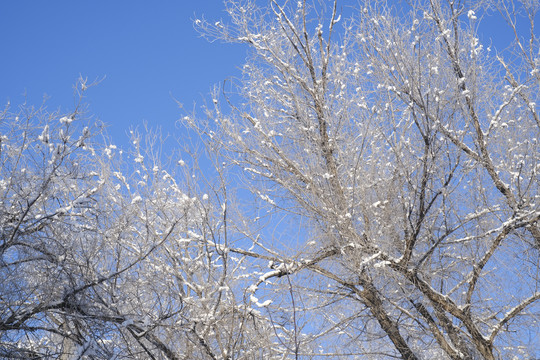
[[405, 146], [105, 255], [369, 189]]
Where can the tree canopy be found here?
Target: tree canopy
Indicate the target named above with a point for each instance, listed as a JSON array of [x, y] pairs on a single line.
[[368, 189]]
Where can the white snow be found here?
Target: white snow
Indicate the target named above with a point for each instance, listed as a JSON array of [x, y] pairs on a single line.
[[264, 304], [66, 120], [136, 199]]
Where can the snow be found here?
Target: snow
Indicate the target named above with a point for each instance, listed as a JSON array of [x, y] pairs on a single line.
[[381, 264], [371, 258], [66, 120], [264, 304], [269, 274]]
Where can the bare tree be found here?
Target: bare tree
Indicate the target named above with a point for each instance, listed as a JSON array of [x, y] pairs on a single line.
[[407, 147], [105, 255], [372, 193]]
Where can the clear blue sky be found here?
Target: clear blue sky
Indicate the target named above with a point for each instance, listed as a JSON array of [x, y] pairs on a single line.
[[148, 52]]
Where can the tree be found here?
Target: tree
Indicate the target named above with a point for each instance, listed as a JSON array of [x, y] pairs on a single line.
[[104, 255], [372, 193], [409, 149]]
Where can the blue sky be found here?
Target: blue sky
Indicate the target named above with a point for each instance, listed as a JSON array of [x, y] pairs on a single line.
[[148, 52]]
